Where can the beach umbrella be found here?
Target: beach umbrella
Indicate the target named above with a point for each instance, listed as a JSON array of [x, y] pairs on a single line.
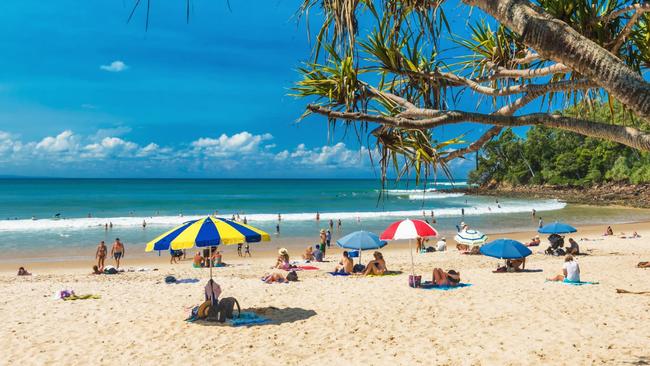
[[207, 232], [408, 229], [505, 249], [557, 228], [361, 240], [470, 237]]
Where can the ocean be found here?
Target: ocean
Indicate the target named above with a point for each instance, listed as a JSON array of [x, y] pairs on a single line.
[[69, 216]]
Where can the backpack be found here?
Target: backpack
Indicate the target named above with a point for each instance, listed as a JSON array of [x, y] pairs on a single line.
[[292, 276], [224, 310], [358, 268], [170, 279]]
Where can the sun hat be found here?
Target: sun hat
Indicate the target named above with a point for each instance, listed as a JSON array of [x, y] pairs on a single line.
[[283, 251], [322, 230]]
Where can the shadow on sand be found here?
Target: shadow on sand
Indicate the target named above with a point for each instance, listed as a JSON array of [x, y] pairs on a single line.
[[275, 316]]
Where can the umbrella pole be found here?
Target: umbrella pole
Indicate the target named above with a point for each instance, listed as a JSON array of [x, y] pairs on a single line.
[[412, 263], [210, 261]]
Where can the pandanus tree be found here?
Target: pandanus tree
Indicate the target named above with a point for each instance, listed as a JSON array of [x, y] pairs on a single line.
[[379, 67]]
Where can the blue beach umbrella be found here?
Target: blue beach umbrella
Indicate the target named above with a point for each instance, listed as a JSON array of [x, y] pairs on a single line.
[[557, 228], [361, 240], [505, 249]]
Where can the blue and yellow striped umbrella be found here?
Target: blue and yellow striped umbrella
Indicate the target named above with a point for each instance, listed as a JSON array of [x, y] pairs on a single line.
[[207, 232]]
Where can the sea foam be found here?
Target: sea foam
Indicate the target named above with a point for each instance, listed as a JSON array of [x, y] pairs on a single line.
[[166, 221]]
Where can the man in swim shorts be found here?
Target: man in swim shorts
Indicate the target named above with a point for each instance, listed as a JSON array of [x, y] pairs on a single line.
[[118, 252]]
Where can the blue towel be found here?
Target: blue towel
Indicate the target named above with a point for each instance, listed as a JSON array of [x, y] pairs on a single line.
[[187, 280], [338, 274], [247, 318], [579, 283], [443, 288]]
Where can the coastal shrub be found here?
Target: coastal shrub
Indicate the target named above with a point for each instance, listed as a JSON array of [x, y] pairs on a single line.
[[549, 156]]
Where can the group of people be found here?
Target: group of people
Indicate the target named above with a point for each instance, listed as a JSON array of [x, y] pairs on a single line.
[[313, 255], [376, 267], [117, 252], [210, 257]]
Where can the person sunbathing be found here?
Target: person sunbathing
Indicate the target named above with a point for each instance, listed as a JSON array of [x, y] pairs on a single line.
[[23, 272], [570, 271], [309, 254], [609, 231], [283, 259], [377, 266], [535, 241], [96, 270], [217, 259], [274, 277], [198, 260], [643, 265], [345, 265], [442, 278], [574, 248]]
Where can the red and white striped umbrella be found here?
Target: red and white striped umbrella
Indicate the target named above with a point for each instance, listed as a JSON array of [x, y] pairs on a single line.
[[408, 229]]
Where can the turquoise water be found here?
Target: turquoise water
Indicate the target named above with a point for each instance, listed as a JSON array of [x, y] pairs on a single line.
[[48, 214]]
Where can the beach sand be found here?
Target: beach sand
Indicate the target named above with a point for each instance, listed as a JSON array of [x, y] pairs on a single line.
[[509, 318]]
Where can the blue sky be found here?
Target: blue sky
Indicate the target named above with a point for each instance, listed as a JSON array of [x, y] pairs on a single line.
[[83, 93]]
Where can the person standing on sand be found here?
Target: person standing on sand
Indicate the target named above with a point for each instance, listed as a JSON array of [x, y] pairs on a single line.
[[100, 255], [118, 251], [323, 240]]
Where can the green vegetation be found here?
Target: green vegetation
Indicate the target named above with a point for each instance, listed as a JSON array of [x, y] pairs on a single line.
[[557, 157]]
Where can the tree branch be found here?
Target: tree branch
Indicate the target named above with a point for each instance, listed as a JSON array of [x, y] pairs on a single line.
[[501, 72], [638, 8], [618, 42], [629, 136]]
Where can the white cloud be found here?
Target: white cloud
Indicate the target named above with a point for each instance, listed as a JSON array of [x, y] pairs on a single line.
[[238, 144], [240, 153], [66, 141], [327, 156], [115, 66]]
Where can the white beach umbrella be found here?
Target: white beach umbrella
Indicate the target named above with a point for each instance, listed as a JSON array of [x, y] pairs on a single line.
[[470, 237]]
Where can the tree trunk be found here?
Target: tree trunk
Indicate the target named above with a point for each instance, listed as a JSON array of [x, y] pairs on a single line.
[[555, 40]]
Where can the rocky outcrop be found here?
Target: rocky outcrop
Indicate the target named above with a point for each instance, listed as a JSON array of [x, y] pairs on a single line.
[[603, 194]]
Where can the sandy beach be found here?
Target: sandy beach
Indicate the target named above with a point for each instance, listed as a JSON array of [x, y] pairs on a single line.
[[514, 318]]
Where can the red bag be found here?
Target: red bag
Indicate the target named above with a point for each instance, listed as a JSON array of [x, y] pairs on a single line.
[[415, 281]]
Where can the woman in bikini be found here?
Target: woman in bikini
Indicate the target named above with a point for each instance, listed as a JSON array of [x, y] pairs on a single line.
[[377, 266], [442, 278], [100, 255]]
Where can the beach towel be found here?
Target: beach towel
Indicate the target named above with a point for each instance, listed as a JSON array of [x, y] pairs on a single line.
[[579, 283], [338, 274], [387, 273], [81, 297], [521, 271], [187, 280], [431, 286], [302, 268], [576, 283], [247, 318]]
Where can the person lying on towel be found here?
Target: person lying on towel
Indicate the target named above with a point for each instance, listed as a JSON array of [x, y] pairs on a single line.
[[442, 278]]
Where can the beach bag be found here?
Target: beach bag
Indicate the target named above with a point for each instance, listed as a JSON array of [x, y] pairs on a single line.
[[358, 268], [415, 281], [224, 310], [170, 279], [431, 249], [292, 276]]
